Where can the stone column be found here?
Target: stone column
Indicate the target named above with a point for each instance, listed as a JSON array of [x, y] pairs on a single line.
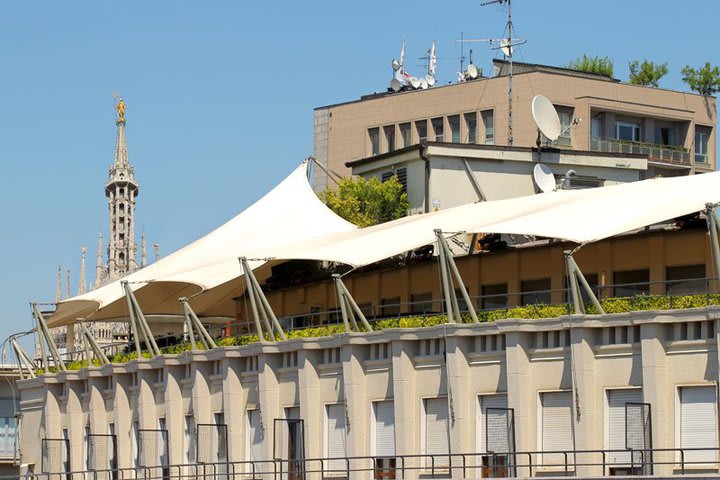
[[462, 418], [269, 398], [174, 415], [407, 414], [520, 396], [655, 392], [311, 409], [358, 411], [235, 417], [588, 423]]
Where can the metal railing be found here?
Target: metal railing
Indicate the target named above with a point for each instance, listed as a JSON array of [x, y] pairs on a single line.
[[465, 465], [655, 152]]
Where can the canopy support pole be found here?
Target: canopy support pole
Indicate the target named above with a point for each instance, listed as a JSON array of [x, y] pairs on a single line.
[[451, 276], [24, 360], [349, 308], [473, 181], [44, 334], [576, 279], [193, 323], [91, 344], [714, 227], [260, 306], [139, 324]]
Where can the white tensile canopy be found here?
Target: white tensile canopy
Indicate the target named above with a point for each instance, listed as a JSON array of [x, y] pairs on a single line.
[[291, 223]]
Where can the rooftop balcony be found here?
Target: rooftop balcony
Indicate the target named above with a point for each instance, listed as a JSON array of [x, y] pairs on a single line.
[[657, 153]]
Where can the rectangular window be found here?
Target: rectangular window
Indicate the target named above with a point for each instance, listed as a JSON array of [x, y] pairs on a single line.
[[471, 124], [616, 422], [596, 128], [494, 296], [374, 136], [189, 434], [421, 303], [702, 137], [535, 292], [566, 118], [390, 137], [436, 435], [488, 126], [686, 280], [421, 127], [400, 173], [390, 307], [698, 423], [136, 442], [499, 441], [556, 426], [631, 283], [627, 131], [335, 438], [664, 136], [454, 123], [221, 435], [384, 422], [406, 134], [438, 129], [253, 448]]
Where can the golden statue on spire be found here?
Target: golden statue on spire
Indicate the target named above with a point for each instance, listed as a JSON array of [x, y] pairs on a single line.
[[121, 110]]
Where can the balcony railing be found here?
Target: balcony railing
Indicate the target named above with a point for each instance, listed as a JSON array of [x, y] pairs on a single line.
[[657, 153]]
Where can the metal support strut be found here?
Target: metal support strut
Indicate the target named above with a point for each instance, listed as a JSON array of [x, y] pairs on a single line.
[[349, 308], [714, 227], [576, 279], [138, 324], [24, 360], [451, 275], [261, 309], [90, 344], [44, 334], [192, 323]]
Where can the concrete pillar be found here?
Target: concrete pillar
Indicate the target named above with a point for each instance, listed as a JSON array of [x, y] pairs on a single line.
[[589, 422], [235, 417], [123, 419], [407, 411], [76, 425], [174, 415], [357, 408], [655, 392], [311, 408], [462, 418], [520, 397], [269, 398]]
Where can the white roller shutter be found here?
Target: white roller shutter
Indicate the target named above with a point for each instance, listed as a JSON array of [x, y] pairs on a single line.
[[556, 425], [489, 401], [698, 423], [437, 440], [616, 421], [254, 436], [384, 428], [336, 437]]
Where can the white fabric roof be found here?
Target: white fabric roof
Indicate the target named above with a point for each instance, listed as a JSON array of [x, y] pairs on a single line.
[[291, 223]]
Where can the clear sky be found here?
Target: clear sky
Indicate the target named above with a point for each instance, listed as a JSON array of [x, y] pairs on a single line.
[[220, 95]]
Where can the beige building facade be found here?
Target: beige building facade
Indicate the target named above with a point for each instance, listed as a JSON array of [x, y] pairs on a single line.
[[674, 131]]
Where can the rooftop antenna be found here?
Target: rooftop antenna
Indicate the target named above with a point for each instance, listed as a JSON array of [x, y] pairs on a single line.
[[506, 45]]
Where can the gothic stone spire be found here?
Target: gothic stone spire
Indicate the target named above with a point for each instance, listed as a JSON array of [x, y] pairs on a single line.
[[81, 284]]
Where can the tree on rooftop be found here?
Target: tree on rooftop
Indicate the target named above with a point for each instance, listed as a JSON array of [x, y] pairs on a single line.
[[647, 73], [367, 202], [601, 65], [704, 80]]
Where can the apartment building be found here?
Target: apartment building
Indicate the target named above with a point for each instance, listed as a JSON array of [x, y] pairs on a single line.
[[675, 131]]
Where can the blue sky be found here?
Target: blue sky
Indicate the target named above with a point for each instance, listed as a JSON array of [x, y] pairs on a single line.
[[220, 95]]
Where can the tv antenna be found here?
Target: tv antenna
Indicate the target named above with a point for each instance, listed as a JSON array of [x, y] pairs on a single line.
[[506, 45]]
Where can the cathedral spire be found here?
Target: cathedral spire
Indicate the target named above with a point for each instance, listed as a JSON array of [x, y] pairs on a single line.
[[81, 285], [99, 265], [67, 283], [121, 154], [58, 291], [143, 250]]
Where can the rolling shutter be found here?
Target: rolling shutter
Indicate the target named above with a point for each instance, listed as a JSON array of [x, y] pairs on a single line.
[[489, 401], [254, 436], [556, 425], [437, 441], [336, 437], [616, 421], [698, 423], [384, 428]]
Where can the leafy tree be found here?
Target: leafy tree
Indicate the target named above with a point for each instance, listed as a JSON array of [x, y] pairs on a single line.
[[647, 73], [367, 202], [601, 65], [704, 80]]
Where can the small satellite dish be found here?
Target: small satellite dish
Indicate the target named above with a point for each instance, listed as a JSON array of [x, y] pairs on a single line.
[[546, 118], [396, 65], [544, 178], [415, 82], [472, 71], [423, 84], [395, 85], [506, 47], [430, 80]]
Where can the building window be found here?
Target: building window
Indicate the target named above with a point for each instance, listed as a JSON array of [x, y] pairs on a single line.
[[664, 136], [535, 292], [253, 448], [698, 423], [438, 129], [493, 418], [631, 283], [454, 123], [390, 307], [421, 127], [471, 124], [488, 126], [627, 131], [406, 134], [335, 438], [556, 426], [374, 136], [566, 118], [390, 137], [617, 400], [494, 296], [436, 434], [189, 435], [384, 426], [421, 303], [686, 280], [400, 173], [702, 137]]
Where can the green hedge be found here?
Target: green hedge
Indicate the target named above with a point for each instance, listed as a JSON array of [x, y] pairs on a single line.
[[610, 305]]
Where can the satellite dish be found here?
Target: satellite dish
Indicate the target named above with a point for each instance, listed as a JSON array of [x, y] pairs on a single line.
[[395, 85], [396, 65], [423, 83], [430, 80], [415, 82], [546, 118], [544, 178], [472, 71], [506, 47]]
